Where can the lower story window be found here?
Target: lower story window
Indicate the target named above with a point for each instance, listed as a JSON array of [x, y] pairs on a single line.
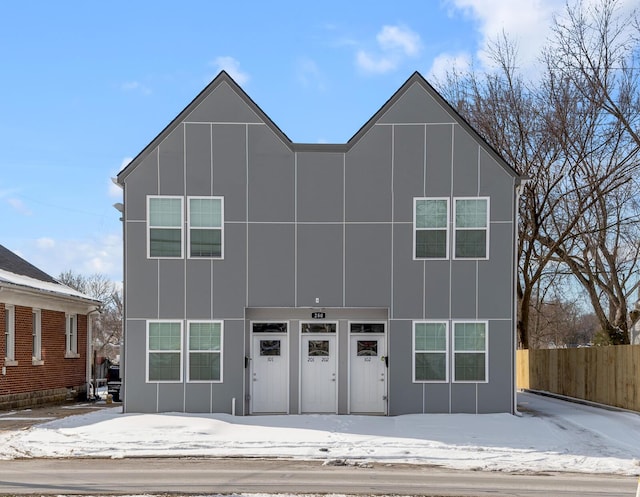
[[430, 340], [205, 351], [470, 342], [164, 351]]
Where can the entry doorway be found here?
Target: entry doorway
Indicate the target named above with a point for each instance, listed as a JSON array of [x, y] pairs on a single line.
[[318, 367], [269, 368], [367, 368]]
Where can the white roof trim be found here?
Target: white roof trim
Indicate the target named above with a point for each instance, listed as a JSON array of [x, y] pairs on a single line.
[[58, 289]]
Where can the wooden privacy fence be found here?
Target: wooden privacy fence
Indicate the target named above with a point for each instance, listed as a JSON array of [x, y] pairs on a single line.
[[607, 375]]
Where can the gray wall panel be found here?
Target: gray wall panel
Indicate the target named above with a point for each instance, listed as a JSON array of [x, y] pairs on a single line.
[[368, 178], [465, 164], [271, 265], [464, 289], [139, 396], [437, 294], [170, 397], [230, 275], [368, 271], [271, 177], [141, 182], [171, 295], [495, 183], [320, 180], [319, 271], [142, 275], [408, 169], [199, 289], [198, 397], [416, 106], [495, 275], [233, 363], [171, 163], [436, 398], [198, 158], [495, 395], [463, 398], [439, 160], [223, 105], [404, 396], [230, 169], [408, 276]]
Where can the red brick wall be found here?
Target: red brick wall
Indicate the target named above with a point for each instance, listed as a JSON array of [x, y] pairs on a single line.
[[57, 371]]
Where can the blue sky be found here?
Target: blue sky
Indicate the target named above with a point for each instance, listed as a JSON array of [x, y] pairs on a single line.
[[87, 85]]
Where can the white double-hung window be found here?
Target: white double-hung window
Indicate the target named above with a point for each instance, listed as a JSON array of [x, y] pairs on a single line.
[[431, 228], [471, 228], [430, 351], [71, 336], [206, 221], [164, 351], [205, 351], [9, 334], [36, 336], [470, 351], [164, 226]]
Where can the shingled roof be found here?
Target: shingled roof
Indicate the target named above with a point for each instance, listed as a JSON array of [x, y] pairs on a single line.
[[13, 263]]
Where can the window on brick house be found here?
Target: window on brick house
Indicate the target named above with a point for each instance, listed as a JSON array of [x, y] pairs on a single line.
[[71, 336], [10, 335], [36, 335]]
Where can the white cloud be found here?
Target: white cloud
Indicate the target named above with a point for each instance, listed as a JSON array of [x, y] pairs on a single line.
[[309, 74], [232, 66], [444, 63], [135, 86], [526, 22], [394, 45], [102, 254], [19, 206]]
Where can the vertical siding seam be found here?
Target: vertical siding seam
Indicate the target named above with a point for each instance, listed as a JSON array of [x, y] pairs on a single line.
[[184, 273], [212, 307], [393, 158], [246, 214], [344, 229], [451, 251], [295, 229]]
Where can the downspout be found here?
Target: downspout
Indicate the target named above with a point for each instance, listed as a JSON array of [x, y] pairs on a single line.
[[520, 184], [90, 350]]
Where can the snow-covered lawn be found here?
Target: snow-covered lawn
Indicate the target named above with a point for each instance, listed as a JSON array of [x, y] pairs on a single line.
[[550, 435]]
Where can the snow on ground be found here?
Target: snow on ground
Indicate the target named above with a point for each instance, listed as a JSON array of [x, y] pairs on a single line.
[[550, 435]]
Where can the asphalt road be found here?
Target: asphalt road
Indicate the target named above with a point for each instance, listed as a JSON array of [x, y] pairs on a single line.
[[224, 476]]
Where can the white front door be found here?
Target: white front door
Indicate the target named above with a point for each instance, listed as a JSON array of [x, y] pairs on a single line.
[[367, 372], [318, 368], [269, 373]]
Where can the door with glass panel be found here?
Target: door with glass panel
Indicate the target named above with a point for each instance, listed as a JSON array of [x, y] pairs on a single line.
[[269, 368], [318, 368], [367, 368]]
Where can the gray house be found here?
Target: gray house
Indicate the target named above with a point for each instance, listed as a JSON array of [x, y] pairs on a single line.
[[265, 276]]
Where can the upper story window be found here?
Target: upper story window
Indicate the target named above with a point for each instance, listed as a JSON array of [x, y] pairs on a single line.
[[164, 226], [431, 228], [471, 231], [205, 227]]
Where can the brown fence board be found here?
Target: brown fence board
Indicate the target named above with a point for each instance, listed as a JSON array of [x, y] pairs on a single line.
[[607, 375]]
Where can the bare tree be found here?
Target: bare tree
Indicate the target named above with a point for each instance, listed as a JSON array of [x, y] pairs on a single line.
[[107, 326]]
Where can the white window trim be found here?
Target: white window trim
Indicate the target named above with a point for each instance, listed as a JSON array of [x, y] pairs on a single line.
[[189, 228], [149, 197], [10, 335], [486, 228], [36, 335], [174, 321], [71, 336], [445, 351], [221, 351], [415, 229], [486, 350]]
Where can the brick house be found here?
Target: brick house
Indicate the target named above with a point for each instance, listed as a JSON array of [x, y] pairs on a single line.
[[45, 336]]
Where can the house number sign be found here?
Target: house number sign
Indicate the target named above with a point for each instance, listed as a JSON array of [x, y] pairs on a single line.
[[318, 315]]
